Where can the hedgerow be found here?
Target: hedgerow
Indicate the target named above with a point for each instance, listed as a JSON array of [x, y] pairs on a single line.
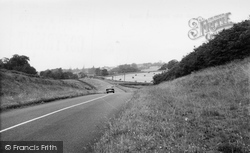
[[230, 44]]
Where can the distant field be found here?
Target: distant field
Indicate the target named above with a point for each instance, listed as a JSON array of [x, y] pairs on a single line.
[[135, 77]]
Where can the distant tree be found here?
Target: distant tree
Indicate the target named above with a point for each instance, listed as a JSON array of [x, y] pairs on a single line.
[[70, 70], [67, 75], [1, 63], [91, 70], [113, 71], [126, 68], [133, 65], [75, 76], [104, 72], [47, 74], [98, 72], [4, 63], [83, 70], [82, 74], [58, 73]]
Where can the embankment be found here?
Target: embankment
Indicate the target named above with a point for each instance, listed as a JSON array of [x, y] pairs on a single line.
[[19, 89], [207, 111]]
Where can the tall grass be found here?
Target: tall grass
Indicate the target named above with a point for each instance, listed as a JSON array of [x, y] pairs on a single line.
[[208, 111]]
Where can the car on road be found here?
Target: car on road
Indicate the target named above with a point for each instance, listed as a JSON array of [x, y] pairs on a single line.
[[110, 89]]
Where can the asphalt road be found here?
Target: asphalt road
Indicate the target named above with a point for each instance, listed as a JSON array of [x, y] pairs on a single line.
[[78, 122]]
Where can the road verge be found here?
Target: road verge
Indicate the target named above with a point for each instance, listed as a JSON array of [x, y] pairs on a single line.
[[206, 111]]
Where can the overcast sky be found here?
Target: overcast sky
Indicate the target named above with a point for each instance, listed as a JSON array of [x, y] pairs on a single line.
[[77, 33]]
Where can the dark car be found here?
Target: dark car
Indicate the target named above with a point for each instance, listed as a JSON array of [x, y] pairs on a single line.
[[110, 89]]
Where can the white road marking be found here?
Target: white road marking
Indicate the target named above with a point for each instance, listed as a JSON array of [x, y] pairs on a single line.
[[37, 118]]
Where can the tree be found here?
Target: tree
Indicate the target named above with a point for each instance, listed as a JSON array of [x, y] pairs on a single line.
[[164, 66], [91, 70], [18, 63], [98, 72], [46, 73], [58, 73], [104, 72], [1, 63], [171, 64], [133, 65], [126, 68], [82, 75], [83, 70]]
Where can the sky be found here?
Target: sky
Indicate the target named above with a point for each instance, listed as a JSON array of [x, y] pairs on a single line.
[[87, 33]]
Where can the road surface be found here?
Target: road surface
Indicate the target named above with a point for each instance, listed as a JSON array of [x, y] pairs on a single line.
[[77, 121]]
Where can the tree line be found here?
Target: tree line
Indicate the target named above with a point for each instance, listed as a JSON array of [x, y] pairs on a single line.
[[21, 63], [125, 68], [58, 74], [228, 45]]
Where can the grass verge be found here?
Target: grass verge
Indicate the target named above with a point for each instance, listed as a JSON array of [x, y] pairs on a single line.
[[21, 90], [208, 111]]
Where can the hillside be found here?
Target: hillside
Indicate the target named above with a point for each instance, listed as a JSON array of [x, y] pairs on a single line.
[[19, 89], [228, 45], [206, 111]]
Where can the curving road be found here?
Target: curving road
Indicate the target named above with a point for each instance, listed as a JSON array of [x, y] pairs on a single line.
[[78, 122]]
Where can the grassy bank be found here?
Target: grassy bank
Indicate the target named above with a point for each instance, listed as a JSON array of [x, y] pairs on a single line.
[[18, 89], [207, 111]]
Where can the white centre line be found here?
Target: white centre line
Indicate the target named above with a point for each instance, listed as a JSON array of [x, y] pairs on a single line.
[[37, 118]]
